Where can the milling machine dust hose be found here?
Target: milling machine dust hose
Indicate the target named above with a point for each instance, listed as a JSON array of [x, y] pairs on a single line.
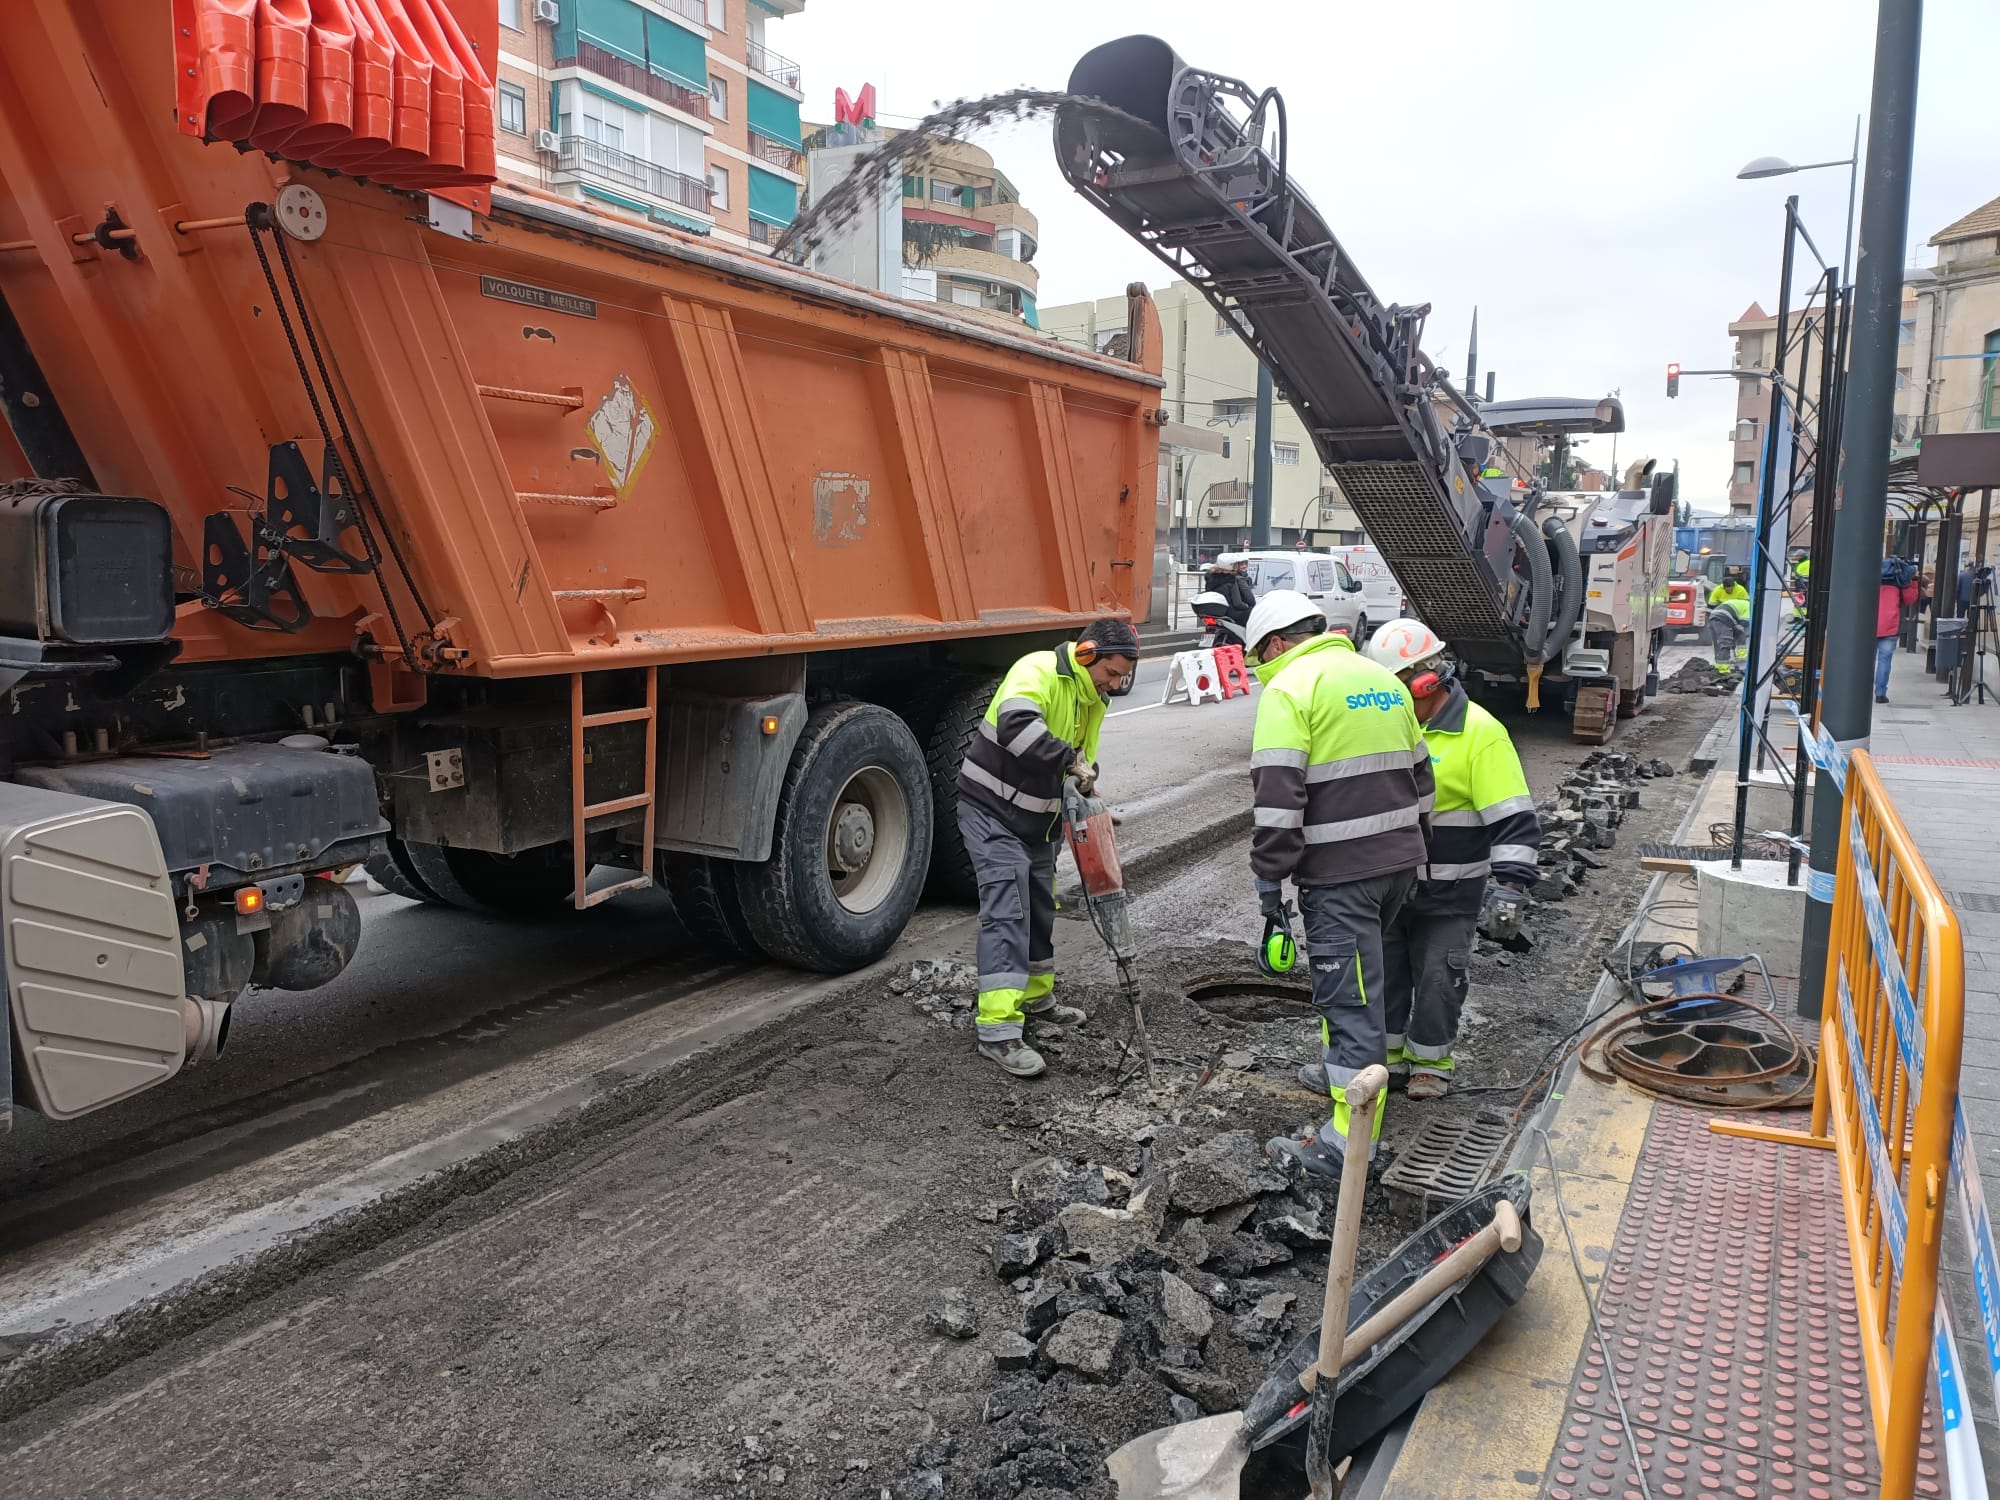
[[1569, 586], [1541, 584]]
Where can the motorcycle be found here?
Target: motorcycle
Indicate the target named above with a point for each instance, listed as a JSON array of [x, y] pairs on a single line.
[[1212, 610]]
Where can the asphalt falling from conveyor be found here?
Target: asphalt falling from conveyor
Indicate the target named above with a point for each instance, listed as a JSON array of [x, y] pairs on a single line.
[[900, 154]]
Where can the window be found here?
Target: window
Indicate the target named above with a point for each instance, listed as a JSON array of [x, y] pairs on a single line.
[[1746, 430], [1234, 408], [718, 18], [1746, 473], [718, 188], [1285, 455], [1348, 584], [1319, 576], [510, 13], [1907, 333], [718, 97], [513, 109], [1989, 382], [966, 296], [600, 131], [944, 192], [1275, 575]]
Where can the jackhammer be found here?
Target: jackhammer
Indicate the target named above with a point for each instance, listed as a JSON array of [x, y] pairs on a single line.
[[1087, 824]]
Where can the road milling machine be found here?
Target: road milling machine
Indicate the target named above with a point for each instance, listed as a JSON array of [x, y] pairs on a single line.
[[1562, 594]]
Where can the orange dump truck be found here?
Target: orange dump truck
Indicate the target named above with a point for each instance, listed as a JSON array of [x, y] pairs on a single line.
[[364, 509]]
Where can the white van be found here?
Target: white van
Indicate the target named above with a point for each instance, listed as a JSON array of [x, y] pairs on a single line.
[[1322, 579], [1382, 598]]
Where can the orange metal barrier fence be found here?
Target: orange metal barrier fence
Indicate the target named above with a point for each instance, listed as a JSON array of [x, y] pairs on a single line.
[[1890, 1036]]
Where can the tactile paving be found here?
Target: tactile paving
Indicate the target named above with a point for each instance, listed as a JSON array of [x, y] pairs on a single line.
[[1730, 1333]]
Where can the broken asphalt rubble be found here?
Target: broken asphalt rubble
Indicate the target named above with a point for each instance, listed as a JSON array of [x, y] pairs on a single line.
[[1589, 805], [1148, 1282]]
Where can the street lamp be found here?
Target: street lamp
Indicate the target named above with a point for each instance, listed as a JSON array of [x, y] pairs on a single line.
[[1777, 166]]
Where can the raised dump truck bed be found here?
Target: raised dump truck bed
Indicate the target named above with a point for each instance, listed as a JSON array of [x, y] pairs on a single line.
[[512, 539]]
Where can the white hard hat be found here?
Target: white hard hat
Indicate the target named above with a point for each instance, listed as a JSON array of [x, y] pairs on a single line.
[[1276, 610], [1403, 644]]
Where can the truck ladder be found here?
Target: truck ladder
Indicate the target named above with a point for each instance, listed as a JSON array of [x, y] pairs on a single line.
[[1178, 163], [581, 812]]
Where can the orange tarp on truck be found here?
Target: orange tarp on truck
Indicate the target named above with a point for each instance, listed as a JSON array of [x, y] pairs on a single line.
[[391, 90]]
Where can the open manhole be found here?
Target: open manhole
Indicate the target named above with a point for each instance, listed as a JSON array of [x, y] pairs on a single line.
[[1240, 997]]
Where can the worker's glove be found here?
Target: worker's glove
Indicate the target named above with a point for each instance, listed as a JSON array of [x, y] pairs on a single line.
[[1502, 917], [1271, 900], [1084, 774]]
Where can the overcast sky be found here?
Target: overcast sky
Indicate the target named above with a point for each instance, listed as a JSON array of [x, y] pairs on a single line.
[[1568, 167]]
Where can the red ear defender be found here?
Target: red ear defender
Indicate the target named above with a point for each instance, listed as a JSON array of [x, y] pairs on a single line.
[[1426, 683]]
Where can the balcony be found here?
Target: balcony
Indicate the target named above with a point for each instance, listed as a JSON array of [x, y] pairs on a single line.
[[773, 65], [694, 10], [777, 153], [595, 162], [640, 80], [990, 264], [764, 234]]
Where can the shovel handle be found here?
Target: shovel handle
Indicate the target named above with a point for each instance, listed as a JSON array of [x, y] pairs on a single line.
[[1362, 1092], [1503, 1233]]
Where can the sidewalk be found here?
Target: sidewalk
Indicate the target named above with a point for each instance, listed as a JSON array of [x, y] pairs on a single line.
[[1725, 1329], [1942, 765]]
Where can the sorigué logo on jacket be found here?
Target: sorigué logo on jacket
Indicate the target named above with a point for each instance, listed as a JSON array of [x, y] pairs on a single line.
[[1380, 698]]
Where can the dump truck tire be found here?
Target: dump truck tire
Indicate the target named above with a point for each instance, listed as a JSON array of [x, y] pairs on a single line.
[[535, 883], [393, 871], [958, 720], [703, 891], [851, 845]]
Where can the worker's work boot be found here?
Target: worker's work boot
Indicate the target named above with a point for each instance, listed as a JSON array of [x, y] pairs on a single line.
[[1014, 1056], [1429, 1086], [1046, 1009], [1312, 1076], [1309, 1156]]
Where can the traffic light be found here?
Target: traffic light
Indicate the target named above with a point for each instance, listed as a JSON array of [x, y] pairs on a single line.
[[1673, 380]]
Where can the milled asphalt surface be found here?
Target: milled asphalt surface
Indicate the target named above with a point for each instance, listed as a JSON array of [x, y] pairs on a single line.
[[699, 1264]]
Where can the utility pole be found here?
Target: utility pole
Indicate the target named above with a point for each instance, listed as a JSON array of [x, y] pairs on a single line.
[[1846, 705], [1260, 464]]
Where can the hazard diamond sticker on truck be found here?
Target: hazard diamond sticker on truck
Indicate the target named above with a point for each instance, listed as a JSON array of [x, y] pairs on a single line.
[[623, 429]]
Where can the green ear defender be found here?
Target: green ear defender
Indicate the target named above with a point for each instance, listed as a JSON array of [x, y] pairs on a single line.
[[1279, 951]]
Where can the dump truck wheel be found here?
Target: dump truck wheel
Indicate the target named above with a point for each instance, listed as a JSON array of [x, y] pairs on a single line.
[[703, 891], [958, 720], [393, 871], [851, 845], [534, 883]]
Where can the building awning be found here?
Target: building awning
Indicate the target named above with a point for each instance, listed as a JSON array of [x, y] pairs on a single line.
[[772, 114], [956, 221], [772, 199]]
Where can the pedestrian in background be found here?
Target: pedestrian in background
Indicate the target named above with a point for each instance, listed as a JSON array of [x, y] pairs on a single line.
[[1901, 585]]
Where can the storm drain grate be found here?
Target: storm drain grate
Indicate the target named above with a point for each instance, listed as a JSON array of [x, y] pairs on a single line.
[[1974, 901], [1450, 1158]]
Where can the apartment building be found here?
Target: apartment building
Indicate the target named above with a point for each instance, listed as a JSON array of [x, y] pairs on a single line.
[[677, 112], [959, 234], [1957, 330], [1947, 355], [1211, 380]]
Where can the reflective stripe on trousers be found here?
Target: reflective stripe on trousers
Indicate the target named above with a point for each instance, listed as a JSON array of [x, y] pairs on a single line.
[[1344, 926], [1017, 919]]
